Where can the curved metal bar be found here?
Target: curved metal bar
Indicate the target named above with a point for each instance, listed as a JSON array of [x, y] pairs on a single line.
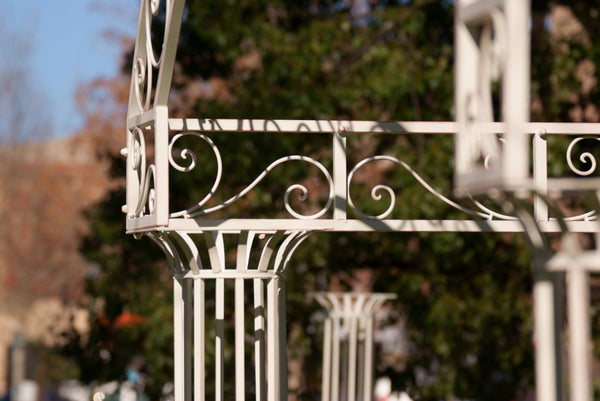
[[289, 251], [303, 196], [185, 153], [492, 213], [267, 252], [585, 158], [173, 257], [588, 216], [243, 250], [279, 256], [376, 196], [187, 248], [147, 193], [146, 175]]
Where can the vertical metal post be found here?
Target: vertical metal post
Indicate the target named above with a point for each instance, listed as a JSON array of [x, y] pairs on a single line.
[[515, 89], [465, 50], [579, 334], [547, 387], [282, 338], [540, 175], [340, 174], [547, 292], [188, 314], [219, 338], [199, 341], [240, 372], [352, 357], [179, 340], [272, 342], [259, 339], [161, 158], [326, 388], [335, 360], [368, 365]]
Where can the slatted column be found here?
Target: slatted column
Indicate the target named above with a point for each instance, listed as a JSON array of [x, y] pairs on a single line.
[[348, 344], [221, 308]]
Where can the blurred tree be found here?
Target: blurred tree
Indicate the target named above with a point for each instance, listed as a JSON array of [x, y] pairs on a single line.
[[465, 298], [23, 116]]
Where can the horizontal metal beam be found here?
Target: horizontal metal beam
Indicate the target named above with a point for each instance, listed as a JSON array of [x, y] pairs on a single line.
[[272, 225], [359, 127]]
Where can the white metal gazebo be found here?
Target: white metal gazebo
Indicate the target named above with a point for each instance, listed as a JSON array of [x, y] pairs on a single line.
[[492, 157]]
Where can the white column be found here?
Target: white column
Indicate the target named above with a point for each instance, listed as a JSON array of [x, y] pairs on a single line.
[[579, 335], [351, 314], [545, 341]]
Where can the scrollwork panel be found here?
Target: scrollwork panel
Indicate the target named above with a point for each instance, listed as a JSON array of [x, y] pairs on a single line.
[[294, 185]]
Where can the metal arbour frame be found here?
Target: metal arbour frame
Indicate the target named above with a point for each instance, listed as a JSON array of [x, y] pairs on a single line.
[[196, 243], [493, 41]]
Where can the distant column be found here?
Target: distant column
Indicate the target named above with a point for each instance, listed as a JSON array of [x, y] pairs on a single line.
[[348, 344]]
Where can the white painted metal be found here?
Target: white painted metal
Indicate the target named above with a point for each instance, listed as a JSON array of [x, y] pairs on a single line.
[[259, 340], [339, 175], [540, 174], [197, 218], [500, 52], [349, 321], [579, 333], [199, 340], [482, 163], [578, 298], [545, 341], [179, 351], [240, 368], [327, 358], [190, 311], [219, 339]]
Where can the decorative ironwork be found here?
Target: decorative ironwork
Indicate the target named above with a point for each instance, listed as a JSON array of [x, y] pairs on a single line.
[[375, 192], [585, 158], [197, 210], [492, 38], [185, 160], [145, 175]]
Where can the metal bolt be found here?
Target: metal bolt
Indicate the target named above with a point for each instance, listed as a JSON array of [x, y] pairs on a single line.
[[99, 396], [124, 152], [124, 209], [542, 133]]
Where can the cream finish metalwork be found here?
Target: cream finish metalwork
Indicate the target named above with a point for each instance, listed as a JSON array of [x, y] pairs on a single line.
[[492, 156], [348, 332], [492, 45]]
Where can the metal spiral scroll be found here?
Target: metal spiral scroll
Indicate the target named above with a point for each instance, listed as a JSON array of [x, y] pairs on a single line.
[[586, 158], [196, 210], [144, 65], [377, 189], [187, 153], [146, 175]]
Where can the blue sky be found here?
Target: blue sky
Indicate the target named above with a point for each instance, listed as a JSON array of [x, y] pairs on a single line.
[[70, 46]]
